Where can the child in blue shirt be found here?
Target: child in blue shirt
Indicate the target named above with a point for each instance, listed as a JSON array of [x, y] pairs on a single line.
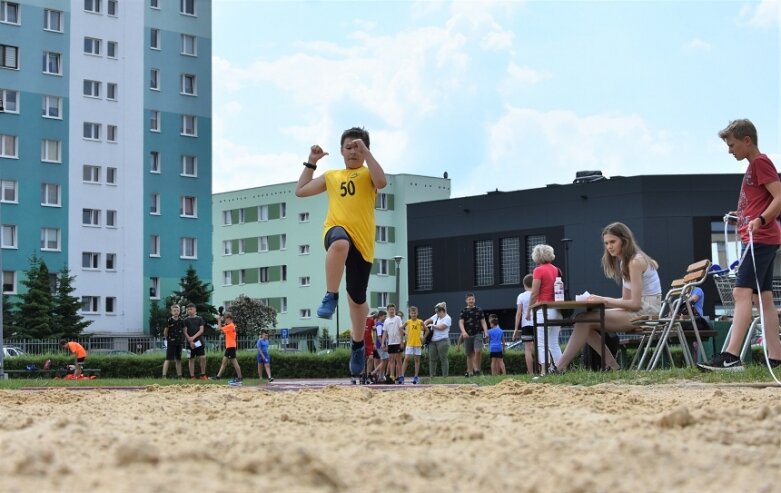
[[496, 346], [264, 359]]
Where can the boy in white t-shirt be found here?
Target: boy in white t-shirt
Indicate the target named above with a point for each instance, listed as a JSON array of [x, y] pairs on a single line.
[[525, 325], [394, 333]]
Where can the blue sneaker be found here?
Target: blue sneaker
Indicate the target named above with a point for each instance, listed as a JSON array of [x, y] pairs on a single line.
[[400, 380], [357, 360], [415, 380], [327, 307]]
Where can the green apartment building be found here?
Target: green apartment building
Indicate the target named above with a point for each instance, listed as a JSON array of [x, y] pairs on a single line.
[[268, 245]]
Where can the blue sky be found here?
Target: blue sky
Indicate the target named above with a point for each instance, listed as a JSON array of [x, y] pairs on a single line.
[[507, 95]]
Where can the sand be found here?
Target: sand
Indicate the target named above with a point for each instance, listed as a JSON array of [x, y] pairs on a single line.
[[510, 437]]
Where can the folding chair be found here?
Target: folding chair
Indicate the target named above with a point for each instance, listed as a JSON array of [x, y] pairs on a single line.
[[676, 308]]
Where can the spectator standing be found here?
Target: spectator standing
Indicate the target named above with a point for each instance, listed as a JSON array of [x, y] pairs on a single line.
[[174, 337], [438, 348], [393, 334], [228, 328], [473, 332], [263, 357], [524, 324], [414, 331], [496, 346], [194, 326]]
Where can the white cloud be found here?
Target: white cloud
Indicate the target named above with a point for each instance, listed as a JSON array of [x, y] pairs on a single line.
[[766, 13], [525, 76], [696, 45]]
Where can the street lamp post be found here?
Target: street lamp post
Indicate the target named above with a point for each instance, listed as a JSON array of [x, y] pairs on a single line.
[[398, 259], [2, 290]]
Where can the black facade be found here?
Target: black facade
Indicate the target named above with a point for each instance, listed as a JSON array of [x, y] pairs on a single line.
[[670, 215]]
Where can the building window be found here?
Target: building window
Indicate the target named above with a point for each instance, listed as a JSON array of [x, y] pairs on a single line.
[[263, 243], [91, 131], [9, 282], [8, 236], [189, 125], [303, 249], [111, 301], [424, 268], [90, 304], [112, 8], [90, 260], [227, 278], [9, 12], [91, 174], [282, 210], [9, 56], [91, 88], [154, 203], [9, 191], [52, 20], [52, 107], [51, 151], [90, 217], [531, 242], [484, 263], [227, 247], [154, 246], [112, 49], [111, 261], [111, 176], [305, 313], [382, 234], [242, 246], [154, 79], [91, 46], [50, 239], [189, 207], [92, 6], [10, 100], [381, 202], [189, 248], [51, 63], [263, 274], [189, 45], [154, 162], [382, 267], [155, 4], [263, 213], [50, 194], [111, 91], [154, 38], [188, 85], [303, 217], [511, 260], [304, 281], [242, 215], [8, 146], [227, 219], [383, 298], [242, 276], [283, 241], [187, 7], [154, 288], [154, 120], [111, 218], [111, 133], [189, 166]]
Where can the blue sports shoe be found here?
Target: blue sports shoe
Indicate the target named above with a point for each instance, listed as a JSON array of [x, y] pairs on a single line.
[[357, 360], [327, 307]]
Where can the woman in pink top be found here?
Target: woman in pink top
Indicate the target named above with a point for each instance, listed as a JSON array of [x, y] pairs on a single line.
[[542, 290]]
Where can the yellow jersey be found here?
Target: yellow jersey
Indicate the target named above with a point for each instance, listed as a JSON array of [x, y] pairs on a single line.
[[351, 199], [414, 333]]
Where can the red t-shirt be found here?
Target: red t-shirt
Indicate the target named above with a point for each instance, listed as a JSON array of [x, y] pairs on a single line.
[[754, 199], [547, 274]]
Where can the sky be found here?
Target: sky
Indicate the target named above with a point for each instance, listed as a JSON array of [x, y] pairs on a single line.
[[500, 95]]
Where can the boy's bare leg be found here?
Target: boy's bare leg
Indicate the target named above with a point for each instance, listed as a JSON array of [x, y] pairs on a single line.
[[202, 360], [223, 364], [191, 366], [77, 371], [335, 258], [742, 319], [268, 371], [237, 368], [165, 368], [178, 364]]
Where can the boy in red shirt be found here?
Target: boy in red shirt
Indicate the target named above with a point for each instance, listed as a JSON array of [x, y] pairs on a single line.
[[78, 352], [229, 329]]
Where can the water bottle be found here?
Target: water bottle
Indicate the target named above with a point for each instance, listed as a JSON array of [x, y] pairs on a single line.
[[558, 290]]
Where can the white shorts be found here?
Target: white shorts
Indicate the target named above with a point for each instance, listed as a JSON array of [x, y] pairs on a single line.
[[414, 351]]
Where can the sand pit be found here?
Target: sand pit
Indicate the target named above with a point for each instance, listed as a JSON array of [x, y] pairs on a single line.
[[510, 437]]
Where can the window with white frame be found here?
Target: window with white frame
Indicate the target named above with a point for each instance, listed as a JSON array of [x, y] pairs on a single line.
[[283, 305], [111, 175], [154, 162], [383, 298], [111, 301], [9, 12], [10, 99], [90, 304], [305, 313], [303, 249], [154, 288], [91, 46], [190, 125], [155, 4], [424, 272], [511, 260], [90, 217], [484, 263], [50, 195], [8, 236], [382, 267], [242, 246], [52, 20], [227, 218], [111, 133], [90, 174], [51, 107], [227, 247], [112, 8], [188, 207], [187, 7], [189, 165], [51, 151], [92, 6], [9, 191], [242, 276], [112, 49], [50, 239], [382, 235], [111, 218], [111, 261], [9, 56], [91, 131], [282, 210], [154, 79], [111, 91], [189, 248], [188, 85], [189, 45], [283, 269], [227, 278], [242, 216], [283, 241], [9, 282], [90, 260], [9, 146], [154, 38], [52, 63], [263, 213], [263, 275], [263, 243], [303, 217], [154, 121], [154, 203], [304, 281], [154, 246], [91, 88], [381, 202]]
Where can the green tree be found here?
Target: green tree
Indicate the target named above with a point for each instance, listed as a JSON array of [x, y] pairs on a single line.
[[66, 320], [199, 293], [158, 317], [10, 317], [37, 304], [250, 316]]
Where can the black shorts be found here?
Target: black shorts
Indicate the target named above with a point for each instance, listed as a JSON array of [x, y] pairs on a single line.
[[764, 256], [394, 348], [357, 270], [527, 333], [230, 352], [197, 351], [80, 360], [173, 351], [498, 355], [376, 354]]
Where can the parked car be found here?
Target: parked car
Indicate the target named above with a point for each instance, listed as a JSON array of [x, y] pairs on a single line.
[[11, 351]]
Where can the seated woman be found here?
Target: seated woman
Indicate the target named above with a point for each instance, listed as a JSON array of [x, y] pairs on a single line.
[[624, 261]]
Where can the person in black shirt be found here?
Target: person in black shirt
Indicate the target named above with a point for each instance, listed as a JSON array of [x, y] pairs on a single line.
[[174, 335], [194, 334], [473, 331]]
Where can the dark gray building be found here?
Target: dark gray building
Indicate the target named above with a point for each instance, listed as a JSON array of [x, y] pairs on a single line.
[[483, 244]]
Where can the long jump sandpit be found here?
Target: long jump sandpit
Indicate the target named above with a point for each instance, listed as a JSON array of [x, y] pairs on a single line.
[[511, 437]]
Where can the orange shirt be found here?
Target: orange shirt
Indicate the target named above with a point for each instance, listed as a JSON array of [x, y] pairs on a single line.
[[77, 349], [230, 335]]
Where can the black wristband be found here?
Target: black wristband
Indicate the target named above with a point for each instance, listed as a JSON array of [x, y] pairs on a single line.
[[762, 219], [310, 165]]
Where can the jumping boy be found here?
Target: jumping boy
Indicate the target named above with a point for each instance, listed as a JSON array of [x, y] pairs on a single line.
[[194, 334], [414, 329], [174, 336], [229, 329], [496, 346], [79, 355], [524, 323], [349, 228], [759, 205], [263, 357]]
